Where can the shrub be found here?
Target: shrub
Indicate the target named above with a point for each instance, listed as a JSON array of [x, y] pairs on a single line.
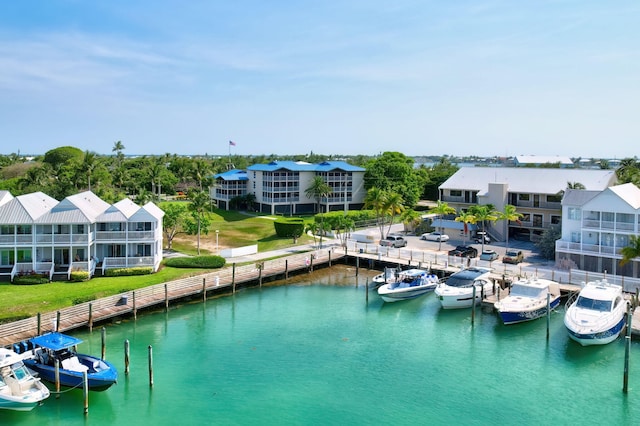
[[211, 262], [78, 276], [83, 299], [30, 279], [125, 272], [291, 227]]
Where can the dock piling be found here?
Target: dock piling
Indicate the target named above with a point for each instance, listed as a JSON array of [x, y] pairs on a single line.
[[126, 357], [85, 391], [103, 335], [56, 373], [150, 366], [473, 306], [548, 313]]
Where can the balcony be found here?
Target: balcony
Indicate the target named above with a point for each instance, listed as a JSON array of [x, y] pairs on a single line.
[[588, 249]]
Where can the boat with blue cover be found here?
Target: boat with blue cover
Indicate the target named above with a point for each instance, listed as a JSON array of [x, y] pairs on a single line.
[[408, 284], [527, 300], [49, 347]]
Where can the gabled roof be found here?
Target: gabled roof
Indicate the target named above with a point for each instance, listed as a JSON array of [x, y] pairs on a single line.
[[528, 180], [629, 193], [231, 175], [26, 208], [578, 197], [5, 197], [78, 208], [303, 166], [147, 212]]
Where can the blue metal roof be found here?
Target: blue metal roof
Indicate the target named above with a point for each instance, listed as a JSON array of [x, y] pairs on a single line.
[[55, 341], [234, 174], [302, 166]]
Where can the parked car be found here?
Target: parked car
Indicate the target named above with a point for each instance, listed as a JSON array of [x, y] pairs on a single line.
[[435, 236], [464, 251], [396, 241], [480, 235], [512, 256], [489, 255]]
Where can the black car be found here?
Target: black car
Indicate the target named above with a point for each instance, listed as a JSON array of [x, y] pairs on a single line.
[[464, 251]]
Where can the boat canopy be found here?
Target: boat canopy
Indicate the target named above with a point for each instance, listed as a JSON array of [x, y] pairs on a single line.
[[55, 341], [466, 277], [523, 290], [594, 304]]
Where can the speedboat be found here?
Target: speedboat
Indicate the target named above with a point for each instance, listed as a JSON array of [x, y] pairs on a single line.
[[597, 315], [49, 347], [457, 290], [527, 300], [19, 390], [388, 275], [409, 284]]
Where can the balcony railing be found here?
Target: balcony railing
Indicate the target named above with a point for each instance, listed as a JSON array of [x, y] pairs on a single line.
[[566, 246]]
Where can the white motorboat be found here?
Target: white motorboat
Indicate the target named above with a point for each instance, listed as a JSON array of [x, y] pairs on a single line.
[[19, 390], [597, 315], [385, 277], [408, 285], [457, 290], [527, 300]]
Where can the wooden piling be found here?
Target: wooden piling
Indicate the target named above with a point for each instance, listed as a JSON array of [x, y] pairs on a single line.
[[103, 335], [90, 317], [150, 366], [166, 298], [58, 321], [627, 349], [357, 266], [473, 306], [204, 289], [260, 274], [39, 329], [56, 373], [135, 309], [329, 258], [233, 277], [366, 290], [286, 269], [85, 391], [126, 357], [548, 313]]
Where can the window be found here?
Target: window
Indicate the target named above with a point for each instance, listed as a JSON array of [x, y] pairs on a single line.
[[554, 198], [555, 220], [455, 193], [523, 197], [574, 213]]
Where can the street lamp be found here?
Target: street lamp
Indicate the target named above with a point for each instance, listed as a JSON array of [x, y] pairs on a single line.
[[217, 251]]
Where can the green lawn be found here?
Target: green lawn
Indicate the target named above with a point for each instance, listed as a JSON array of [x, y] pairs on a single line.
[[235, 230]]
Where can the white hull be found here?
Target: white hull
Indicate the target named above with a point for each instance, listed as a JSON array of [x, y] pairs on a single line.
[[460, 298], [410, 284], [19, 390]]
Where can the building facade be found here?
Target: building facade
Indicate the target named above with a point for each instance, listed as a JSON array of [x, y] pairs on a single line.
[[596, 226], [535, 192], [82, 232], [280, 187]]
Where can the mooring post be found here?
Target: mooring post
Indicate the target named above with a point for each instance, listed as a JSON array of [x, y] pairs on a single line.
[[627, 349], [58, 321], [126, 357], [260, 274], [473, 306], [548, 313], [90, 317], [57, 377], [150, 366], [39, 324], [366, 290], [204, 290], [135, 309], [166, 298], [103, 335], [85, 391], [286, 269], [233, 277], [357, 265], [329, 258]]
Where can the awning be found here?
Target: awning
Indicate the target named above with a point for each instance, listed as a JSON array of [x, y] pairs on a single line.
[[55, 341]]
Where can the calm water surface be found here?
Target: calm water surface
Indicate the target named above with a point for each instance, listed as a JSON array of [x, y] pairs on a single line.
[[314, 352]]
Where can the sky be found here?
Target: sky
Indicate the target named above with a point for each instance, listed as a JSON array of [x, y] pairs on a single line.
[[333, 77]]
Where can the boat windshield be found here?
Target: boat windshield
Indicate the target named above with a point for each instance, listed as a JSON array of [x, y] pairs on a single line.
[[594, 304], [526, 291], [19, 370]]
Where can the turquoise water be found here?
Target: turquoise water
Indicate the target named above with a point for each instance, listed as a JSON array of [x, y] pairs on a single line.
[[316, 353]]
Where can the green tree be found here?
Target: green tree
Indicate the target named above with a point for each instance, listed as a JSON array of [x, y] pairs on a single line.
[[466, 218], [547, 243], [393, 206], [631, 251], [411, 219], [173, 221], [394, 172], [198, 208], [376, 200], [318, 190], [483, 213], [58, 156], [438, 174], [509, 214]]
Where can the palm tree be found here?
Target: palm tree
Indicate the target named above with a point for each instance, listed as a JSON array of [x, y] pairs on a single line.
[[631, 251], [509, 214], [198, 207], [411, 219], [376, 200], [575, 185], [483, 214], [318, 190], [466, 218], [441, 209], [118, 147], [88, 165], [394, 205]]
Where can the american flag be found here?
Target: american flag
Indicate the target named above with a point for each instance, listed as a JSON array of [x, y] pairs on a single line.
[[232, 143]]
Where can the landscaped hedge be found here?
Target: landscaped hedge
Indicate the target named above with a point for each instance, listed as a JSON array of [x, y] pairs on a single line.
[[291, 227], [124, 272], [29, 279], [79, 276], [212, 262]]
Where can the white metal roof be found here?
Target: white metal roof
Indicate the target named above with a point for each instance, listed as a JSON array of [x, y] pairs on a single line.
[[528, 180], [629, 193], [26, 208]]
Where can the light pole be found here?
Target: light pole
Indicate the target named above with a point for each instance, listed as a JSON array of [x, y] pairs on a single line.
[[217, 232]]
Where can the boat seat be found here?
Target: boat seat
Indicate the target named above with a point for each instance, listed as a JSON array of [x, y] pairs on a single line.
[[73, 364]]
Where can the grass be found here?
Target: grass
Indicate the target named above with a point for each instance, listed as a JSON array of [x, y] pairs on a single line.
[[235, 230]]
